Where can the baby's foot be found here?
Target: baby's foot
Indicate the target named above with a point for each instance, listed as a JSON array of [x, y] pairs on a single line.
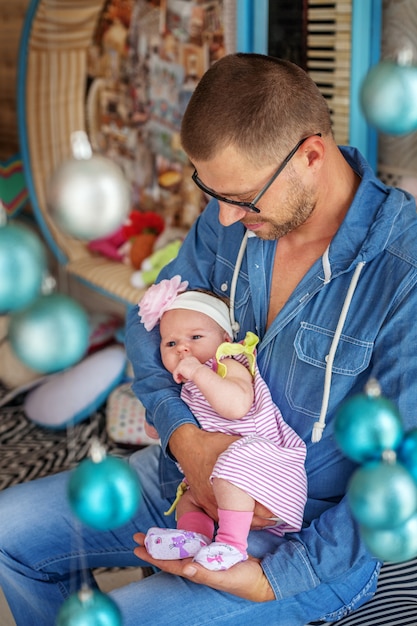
[[219, 556], [172, 544]]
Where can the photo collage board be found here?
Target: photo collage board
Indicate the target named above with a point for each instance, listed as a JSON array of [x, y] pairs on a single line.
[[143, 64]]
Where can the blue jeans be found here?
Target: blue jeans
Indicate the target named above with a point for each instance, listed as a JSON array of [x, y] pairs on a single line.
[[46, 555]]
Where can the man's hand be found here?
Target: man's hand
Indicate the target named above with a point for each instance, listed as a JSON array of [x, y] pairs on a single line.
[[197, 451], [246, 580]]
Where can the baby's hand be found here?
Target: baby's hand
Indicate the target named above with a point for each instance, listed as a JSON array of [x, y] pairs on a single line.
[[186, 369]]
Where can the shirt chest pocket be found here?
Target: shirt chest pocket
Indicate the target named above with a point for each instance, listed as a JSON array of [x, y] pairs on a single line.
[[305, 383]]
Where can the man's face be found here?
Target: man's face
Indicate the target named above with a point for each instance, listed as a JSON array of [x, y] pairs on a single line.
[[284, 207]]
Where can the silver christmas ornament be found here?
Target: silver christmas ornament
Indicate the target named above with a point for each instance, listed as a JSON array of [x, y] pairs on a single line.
[[88, 195]]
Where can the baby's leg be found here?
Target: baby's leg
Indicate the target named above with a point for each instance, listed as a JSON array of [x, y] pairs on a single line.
[[230, 497], [192, 517], [235, 516]]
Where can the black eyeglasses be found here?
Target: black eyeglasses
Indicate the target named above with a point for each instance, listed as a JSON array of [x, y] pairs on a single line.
[[250, 206]]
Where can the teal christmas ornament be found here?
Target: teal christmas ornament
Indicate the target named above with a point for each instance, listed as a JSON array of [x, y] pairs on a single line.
[[367, 424], [22, 267], [89, 608], [104, 491], [388, 96], [382, 495], [51, 334], [393, 544], [407, 452]]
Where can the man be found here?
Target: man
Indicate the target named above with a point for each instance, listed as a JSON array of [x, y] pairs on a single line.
[[327, 279], [329, 215]]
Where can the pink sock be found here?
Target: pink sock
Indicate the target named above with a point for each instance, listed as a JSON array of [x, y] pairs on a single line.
[[234, 528], [198, 522]]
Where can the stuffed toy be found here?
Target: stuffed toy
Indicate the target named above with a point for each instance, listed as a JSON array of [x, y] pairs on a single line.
[[151, 266], [133, 241], [141, 233]]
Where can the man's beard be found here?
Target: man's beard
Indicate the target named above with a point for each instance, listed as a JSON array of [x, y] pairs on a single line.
[[300, 204]]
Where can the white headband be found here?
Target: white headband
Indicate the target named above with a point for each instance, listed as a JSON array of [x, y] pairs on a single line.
[[207, 304]]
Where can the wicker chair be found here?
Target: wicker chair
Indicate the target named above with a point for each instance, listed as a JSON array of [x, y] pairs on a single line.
[[51, 94]]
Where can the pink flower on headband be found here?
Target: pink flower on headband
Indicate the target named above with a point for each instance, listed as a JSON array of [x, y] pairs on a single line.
[[158, 299]]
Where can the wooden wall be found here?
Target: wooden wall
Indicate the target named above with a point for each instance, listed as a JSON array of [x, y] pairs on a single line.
[[12, 15]]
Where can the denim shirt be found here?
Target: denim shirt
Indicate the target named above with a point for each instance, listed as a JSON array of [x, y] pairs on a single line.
[[379, 340]]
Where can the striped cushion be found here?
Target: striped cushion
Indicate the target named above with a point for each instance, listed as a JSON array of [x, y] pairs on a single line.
[[395, 601]]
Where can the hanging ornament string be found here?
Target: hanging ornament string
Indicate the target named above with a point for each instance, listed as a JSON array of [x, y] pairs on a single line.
[[77, 537]]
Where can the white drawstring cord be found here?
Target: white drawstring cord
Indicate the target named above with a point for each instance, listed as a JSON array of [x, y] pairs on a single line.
[[320, 425], [235, 324]]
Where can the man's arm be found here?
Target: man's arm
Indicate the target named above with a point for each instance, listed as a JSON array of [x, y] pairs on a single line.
[[153, 385], [288, 571]]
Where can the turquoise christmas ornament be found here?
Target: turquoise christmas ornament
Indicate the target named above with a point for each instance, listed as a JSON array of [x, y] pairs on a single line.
[[407, 452], [104, 491], [89, 608], [393, 544], [382, 495], [51, 334], [388, 97], [22, 267], [367, 424]]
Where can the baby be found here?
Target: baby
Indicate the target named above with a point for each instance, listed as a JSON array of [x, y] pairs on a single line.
[[222, 386]]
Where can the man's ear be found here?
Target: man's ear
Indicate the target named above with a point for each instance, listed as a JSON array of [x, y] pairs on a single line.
[[314, 149]]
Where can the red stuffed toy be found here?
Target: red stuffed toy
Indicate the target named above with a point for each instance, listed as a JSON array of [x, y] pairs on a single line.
[[133, 241]]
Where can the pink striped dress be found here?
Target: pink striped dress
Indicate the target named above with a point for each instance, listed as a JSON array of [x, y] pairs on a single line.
[[268, 461]]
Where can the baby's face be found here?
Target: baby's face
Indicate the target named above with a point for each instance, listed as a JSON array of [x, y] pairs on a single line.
[[188, 333]]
